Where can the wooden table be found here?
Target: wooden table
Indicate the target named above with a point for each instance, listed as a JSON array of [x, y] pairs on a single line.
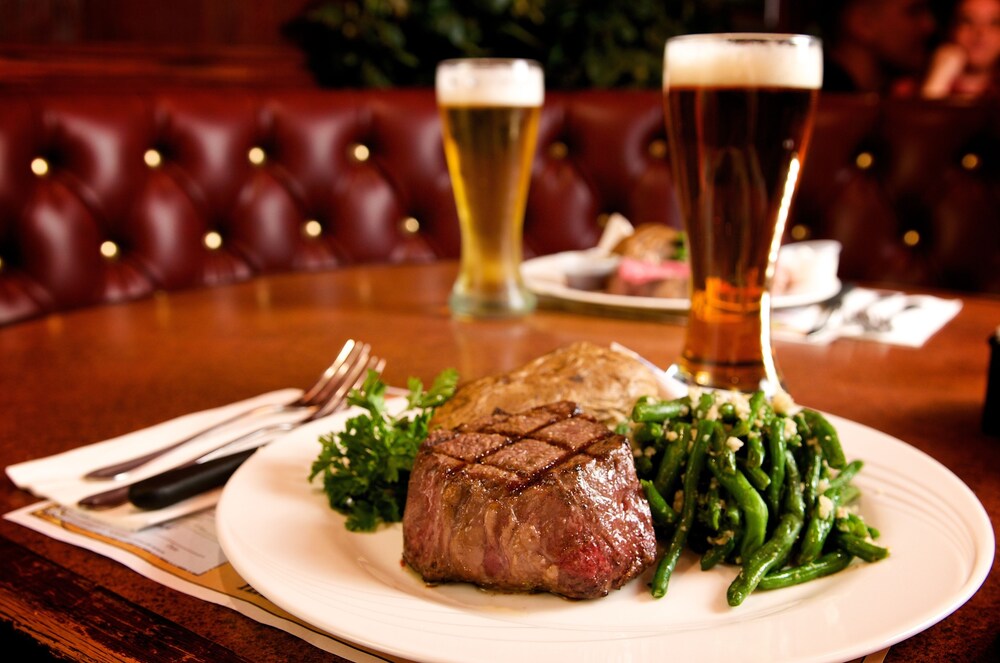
[[82, 377]]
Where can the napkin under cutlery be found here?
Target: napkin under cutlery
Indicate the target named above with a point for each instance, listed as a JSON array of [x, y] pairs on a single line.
[[883, 316], [60, 477]]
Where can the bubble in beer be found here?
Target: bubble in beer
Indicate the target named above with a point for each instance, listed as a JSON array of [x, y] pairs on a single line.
[[476, 82], [768, 61]]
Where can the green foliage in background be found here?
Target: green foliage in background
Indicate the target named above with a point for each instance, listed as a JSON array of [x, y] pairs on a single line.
[[398, 43]]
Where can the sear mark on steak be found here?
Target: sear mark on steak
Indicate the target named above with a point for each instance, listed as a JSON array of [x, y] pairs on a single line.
[[541, 500]]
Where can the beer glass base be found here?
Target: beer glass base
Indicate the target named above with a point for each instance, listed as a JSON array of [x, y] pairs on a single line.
[[513, 305], [770, 385]]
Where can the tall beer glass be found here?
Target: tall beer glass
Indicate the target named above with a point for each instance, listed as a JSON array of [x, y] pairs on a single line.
[[490, 110], [739, 111]]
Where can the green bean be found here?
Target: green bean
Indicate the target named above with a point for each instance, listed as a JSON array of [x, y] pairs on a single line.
[[776, 452], [695, 464], [672, 460], [820, 524], [750, 503], [744, 426], [859, 547], [845, 475], [828, 439], [828, 564], [711, 512], [794, 502], [649, 409], [727, 412], [755, 449], [648, 433], [643, 465], [658, 507], [766, 557], [852, 524], [811, 473], [719, 551], [802, 426], [705, 403], [758, 477]]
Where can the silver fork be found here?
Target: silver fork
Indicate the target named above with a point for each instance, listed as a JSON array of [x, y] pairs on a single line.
[[151, 489], [314, 397]]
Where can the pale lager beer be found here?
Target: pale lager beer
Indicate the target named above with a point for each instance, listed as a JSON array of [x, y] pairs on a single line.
[[490, 110]]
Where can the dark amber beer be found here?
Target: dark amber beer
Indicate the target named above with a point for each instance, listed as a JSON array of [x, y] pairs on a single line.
[[490, 110], [739, 112]]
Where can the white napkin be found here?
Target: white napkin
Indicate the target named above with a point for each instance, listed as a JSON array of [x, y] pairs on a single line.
[[911, 319], [60, 477]]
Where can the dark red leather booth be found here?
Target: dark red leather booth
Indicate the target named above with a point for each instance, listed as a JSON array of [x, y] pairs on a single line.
[[109, 196]]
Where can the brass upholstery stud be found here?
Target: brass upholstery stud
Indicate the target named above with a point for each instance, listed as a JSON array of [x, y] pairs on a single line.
[[40, 166], [360, 152], [409, 225], [911, 238], [970, 161], [257, 156], [800, 232], [153, 158], [212, 240], [657, 149], [558, 150], [864, 160], [602, 220], [312, 228], [109, 249]]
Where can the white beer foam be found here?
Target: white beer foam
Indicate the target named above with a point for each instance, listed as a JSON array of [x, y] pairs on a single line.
[[700, 60], [468, 82]]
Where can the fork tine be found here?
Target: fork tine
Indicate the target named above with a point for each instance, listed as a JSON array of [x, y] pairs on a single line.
[[331, 371], [354, 377]]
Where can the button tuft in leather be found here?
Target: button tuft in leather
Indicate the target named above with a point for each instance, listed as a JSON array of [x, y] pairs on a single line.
[[410, 225], [360, 152], [312, 228], [657, 149], [970, 161], [212, 240], [109, 249], [257, 156], [40, 166], [911, 238], [800, 232], [864, 160], [558, 150], [152, 158]]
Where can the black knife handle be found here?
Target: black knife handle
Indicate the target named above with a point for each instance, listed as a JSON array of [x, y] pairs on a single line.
[[178, 484]]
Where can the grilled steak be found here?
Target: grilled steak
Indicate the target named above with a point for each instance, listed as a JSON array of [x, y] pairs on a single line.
[[542, 500]]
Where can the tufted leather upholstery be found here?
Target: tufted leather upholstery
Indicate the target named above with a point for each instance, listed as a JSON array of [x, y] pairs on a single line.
[[112, 196]]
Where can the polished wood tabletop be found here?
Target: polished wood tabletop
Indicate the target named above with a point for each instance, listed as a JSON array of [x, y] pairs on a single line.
[[89, 375]]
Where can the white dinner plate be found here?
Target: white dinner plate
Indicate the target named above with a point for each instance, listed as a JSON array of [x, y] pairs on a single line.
[[281, 536], [546, 276]]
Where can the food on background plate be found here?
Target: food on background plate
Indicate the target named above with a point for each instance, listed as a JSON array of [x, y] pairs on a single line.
[[544, 499], [653, 263], [604, 382]]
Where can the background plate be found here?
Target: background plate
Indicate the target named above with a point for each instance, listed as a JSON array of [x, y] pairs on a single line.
[[545, 276]]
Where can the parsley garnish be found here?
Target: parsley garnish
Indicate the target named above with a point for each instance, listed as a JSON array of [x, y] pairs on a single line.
[[366, 467]]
